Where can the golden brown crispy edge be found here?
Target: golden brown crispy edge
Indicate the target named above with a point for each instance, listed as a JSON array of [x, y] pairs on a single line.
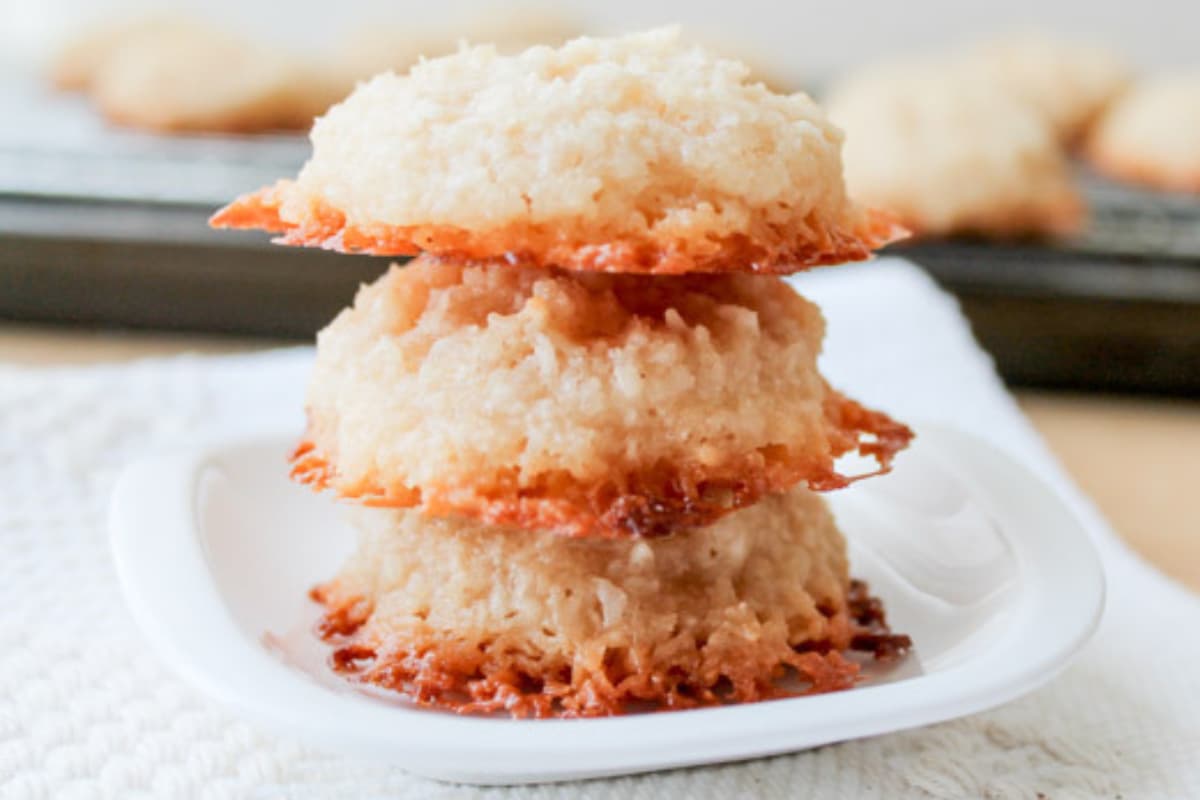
[[769, 250], [655, 502], [468, 679]]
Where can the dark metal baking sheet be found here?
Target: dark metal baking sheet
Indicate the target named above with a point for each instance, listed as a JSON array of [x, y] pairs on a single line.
[[159, 266]]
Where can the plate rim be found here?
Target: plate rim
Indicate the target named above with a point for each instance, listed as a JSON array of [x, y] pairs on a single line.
[[164, 574]]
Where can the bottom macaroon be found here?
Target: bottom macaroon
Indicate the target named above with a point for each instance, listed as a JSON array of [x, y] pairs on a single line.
[[455, 614]]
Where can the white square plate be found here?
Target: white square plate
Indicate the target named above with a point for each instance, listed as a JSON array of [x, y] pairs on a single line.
[[978, 561]]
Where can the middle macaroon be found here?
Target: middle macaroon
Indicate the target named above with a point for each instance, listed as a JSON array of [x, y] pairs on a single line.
[[589, 404]]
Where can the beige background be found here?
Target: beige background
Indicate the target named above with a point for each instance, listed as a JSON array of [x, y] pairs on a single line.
[[802, 39], [1139, 459]]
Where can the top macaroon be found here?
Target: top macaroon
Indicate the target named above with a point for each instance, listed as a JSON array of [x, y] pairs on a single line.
[[634, 154]]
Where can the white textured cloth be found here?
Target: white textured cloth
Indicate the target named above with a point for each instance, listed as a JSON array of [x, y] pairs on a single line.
[[87, 711]]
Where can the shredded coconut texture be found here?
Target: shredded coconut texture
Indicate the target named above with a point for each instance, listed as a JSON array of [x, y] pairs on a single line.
[[458, 614], [947, 155], [1152, 135], [632, 154], [594, 404]]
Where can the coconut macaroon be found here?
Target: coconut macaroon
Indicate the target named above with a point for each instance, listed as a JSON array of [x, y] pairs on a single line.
[[179, 75], [201, 79], [83, 57], [589, 404], [1068, 84], [948, 157], [633, 154], [1152, 136], [460, 615]]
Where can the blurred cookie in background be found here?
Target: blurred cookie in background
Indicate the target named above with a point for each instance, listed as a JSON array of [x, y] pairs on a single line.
[[952, 154], [1068, 83], [1152, 135], [76, 65], [205, 80], [179, 75]]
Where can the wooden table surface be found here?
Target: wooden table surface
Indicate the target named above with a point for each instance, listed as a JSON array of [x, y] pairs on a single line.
[[1138, 458]]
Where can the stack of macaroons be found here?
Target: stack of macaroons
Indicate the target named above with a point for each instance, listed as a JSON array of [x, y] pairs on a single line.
[[588, 414]]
